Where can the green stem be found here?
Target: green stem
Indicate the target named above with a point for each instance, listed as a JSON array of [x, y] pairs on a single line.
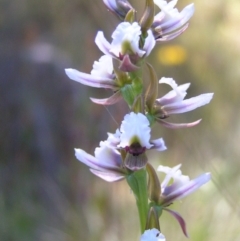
[[138, 183]]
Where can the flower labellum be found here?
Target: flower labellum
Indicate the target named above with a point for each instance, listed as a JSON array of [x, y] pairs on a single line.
[[135, 140]]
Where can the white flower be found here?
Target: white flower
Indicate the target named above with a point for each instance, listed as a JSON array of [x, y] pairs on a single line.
[[180, 186], [101, 75], [169, 22], [152, 235], [106, 164], [125, 45], [134, 138], [174, 103], [124, 33], [176, 186]]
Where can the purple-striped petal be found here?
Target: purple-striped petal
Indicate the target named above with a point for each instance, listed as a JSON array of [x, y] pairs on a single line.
[[106, 158], [88, 159], [158, 144], [90, 80], [185, 189], [161, 38], [169, 23], [107, 163], [188, 105], [108, 176], [178, 21]]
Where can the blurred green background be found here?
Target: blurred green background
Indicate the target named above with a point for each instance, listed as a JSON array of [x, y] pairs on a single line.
[[45, 193]]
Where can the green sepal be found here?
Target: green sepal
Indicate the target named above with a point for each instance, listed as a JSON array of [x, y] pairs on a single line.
[[128, 94], [152, 90], [122, 78], [151, 118], [154, 186], [138, 183], [137, 105], [153, 219], [131, 91], [131, 16], [157, 207], [147, 18]]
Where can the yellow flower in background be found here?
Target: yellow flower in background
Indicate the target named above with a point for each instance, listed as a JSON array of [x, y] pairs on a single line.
[[172, 55]]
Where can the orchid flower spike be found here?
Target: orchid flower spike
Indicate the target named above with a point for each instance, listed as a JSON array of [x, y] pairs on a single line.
[[125, 45], [173, 103], [152, 235], [169, 22]]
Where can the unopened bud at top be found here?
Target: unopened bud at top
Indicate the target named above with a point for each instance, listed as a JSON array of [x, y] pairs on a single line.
[[118, 7]]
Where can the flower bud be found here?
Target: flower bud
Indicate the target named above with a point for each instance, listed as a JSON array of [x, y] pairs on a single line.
[[118, 7], [152, 90], [152, 219], [147, 18], [130, 16]]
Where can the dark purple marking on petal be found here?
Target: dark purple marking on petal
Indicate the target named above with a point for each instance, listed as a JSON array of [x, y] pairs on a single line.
[[127, 65], [135, 149]]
